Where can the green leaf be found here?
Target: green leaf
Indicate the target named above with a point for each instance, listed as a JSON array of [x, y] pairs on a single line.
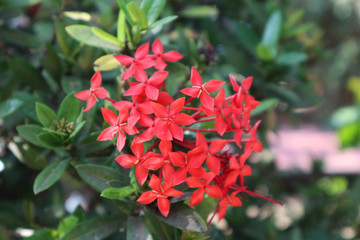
[[122, 4], [265, 105], [345, 116], [121, 28], [153, 8], [299, 29], [98, 228], [82, 16], [105, 36], [29, 133], [183, 217], [283, 93], [62, 37], [86, 35], [106, 63], [43, 234], [71, 84], [20, 38], [26, 73], [9, 106], [78, 127], [101, 177], [204, 11], [264, 53], [247, 37], [67, 224], [45, 114], [117, 193], [137, 14], [272, 31], [6, 4], [70, 108], [136, 229], [80, 213], [291, 58], [50, 175], [294, 18], [50, 140], [52, 62], [163, 21], [89, 144]]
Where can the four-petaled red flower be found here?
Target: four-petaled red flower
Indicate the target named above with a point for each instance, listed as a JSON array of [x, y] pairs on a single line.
[[161, 191], [202, 90], [137, 64], [94, 93], [159, 55]]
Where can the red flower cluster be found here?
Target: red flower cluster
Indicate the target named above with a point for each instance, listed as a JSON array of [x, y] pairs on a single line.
[[207, 166]]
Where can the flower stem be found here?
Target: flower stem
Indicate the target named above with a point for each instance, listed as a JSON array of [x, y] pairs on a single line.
[[110, 99]]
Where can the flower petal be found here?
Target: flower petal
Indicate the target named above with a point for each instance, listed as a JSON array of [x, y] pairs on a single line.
[[101, 93], [136, 89], [192, 92], [214, 191], [195, 77], [152, 92], [157, 47], [129, 72], [172, 56], [246, 83], [142, 51], [207, 101], [217, 145], [147, 197], [90, 103], [124, 59], [160, 64], [168, 172], [107, 134], [183, 119], [177, 106], [177, 158], [155, 183], [158, 78], [164, 206], [213, 85], [109, 116], [141, 174], [176, 131], [96, 80], [120, 143], [159, 110], [83, 95], [213, 164], [126, 160], [197, 197], [180, 176]]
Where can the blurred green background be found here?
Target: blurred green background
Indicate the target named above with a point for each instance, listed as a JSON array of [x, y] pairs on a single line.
[[304, 56]]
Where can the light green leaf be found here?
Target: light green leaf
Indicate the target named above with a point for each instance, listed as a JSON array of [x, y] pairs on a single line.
[[122, 4], [62, 37], [52, 62], [83, 16], [121, 28], [106, 63], [29, 133], [272, 31], [153, 8], [137, 14], [86, 35], [163, 21], [105, 36], [345, 116], [117, 193], [9, 106], [70, 108], [265, 105], [78, 127], [50, 175], [298, 30], [101, 177], [67, 224], [26, 73], [45, 114], [291, 58], [204, 11], [183, 217], [294, 18], [264, 53], [43, 234], [98, 228]]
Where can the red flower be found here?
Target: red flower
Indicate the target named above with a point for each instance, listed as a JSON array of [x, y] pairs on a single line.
[[202, 90], [203, 185], [239, 170], [233, 201], [168, 121], [200, 154], [159, 55], [118, 127], [150, 87], [161, 192], [94, 93], [137, 64]]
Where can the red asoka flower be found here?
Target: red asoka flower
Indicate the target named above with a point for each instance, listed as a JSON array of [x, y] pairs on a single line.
[[167, 121], [141, 172], [203, 185], [137, 64], [202, 90], [238, 170], [254, 144], [227, 201], [118, 127], [198, 155], [159, 55], [161, 192], [167, 169], [150, 87], [94, 93]]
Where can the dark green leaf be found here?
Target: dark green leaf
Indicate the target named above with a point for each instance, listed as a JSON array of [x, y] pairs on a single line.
[[247, 37], [67, 224], [272, 31], [86, 35], [71, 84], [177, 73], [20, 38], [183, 217], [80, 213], [294, 18], [4, 4], [163, 21], [265, 105], [69, 108], [137, 14], [283, 93], [153, 8], [45, 114], [50, 140], [29, 155], [62, 37], [52, 62], [101, 177], [291, 58], [136, 229], [299, 29], [117, 193], [27, 74], [78, 127], [50, 175], [43, 234], [9, 106], [98, 228], [90, 144], [204, 11], [29, 133]]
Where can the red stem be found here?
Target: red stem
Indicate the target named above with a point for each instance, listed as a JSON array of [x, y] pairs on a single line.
[[216, 210], [205, 120], [154, 145], [189, 100], [200, 130], [192, 108], [111, 100], [184, 144]]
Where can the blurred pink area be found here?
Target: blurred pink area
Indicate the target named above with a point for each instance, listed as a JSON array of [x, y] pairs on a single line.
[[296, 149]]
